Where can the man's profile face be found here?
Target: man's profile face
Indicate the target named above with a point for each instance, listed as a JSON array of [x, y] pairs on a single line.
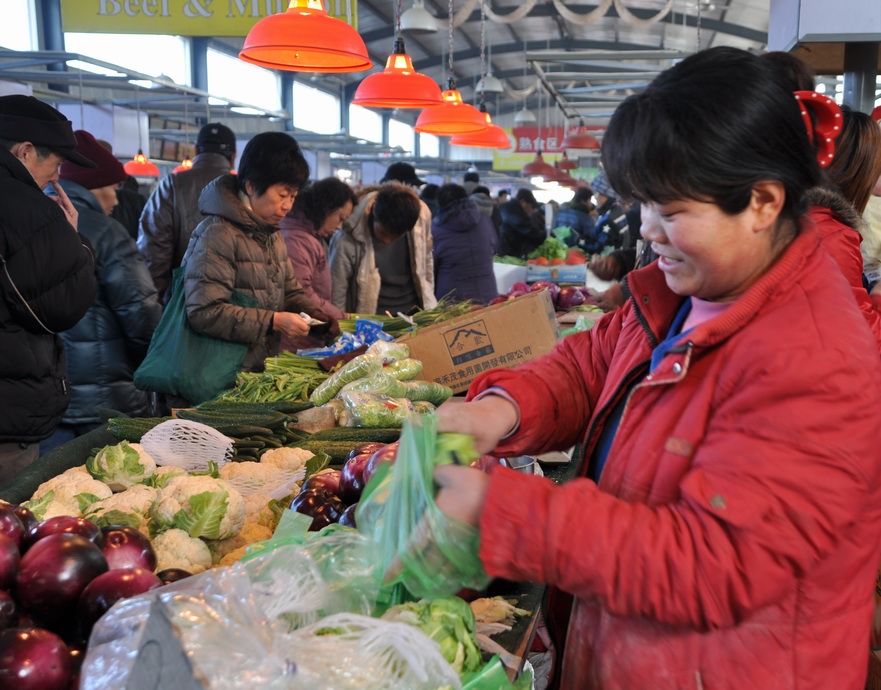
[[43, 170]]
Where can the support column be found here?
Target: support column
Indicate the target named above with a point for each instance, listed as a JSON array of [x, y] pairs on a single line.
[[51, 36], [860, 70]]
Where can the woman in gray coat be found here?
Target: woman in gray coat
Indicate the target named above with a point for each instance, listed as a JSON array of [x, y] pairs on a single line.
[[238, 247]]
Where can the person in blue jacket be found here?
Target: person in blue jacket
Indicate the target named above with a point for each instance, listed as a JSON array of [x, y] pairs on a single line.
[[579, 216]]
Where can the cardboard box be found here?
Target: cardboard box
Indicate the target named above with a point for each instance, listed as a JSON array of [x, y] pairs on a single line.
[[564, 273], [504, 335], [506, 275]]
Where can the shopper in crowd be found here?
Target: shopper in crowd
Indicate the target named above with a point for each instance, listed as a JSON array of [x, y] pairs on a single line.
[[870, 247], [503, 196], [109, 342], [522, 228], [482, 198], [727, 526], [612, 228], [319, 211], [172, 211], [47, 276], [403, 173], [238, 247], [129, 201], [382, 259], [471, 181], [578, 215], [429, 196], [464, 244]]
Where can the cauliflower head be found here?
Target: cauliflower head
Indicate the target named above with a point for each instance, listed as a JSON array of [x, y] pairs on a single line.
[[291, 459], [176, 549], [233, 557], [201, 506], [70, 493], [165, 474], [251, 533], [128, 509], [121, 466]]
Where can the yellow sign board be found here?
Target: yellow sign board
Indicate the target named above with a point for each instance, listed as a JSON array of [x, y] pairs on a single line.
[[183, 17]]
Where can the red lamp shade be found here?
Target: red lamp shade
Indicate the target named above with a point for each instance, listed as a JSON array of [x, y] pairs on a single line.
[[493, 137], [185, 164], [139, 166], [537, 166], [566, 163], [579, 138], [557, 175], [305, 39], [452, 117], [399, 85]]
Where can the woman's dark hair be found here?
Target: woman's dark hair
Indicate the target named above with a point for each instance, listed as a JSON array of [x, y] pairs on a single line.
[[796, 71], [317, 201], [709, 129], [583, 195], [857, 162], [272, 158], [449, 194], [429, 192], [397, 207]]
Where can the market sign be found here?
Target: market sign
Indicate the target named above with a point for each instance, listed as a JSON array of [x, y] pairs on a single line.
[[183, 17], [535, 139]]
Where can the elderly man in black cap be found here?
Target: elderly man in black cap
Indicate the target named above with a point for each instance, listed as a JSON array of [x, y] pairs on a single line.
[[172, 211], [522, 229], [47, 276]]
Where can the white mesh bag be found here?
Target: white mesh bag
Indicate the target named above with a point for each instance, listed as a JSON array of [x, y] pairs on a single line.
[[186, 444]]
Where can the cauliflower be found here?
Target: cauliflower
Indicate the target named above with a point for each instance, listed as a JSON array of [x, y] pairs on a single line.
[[291, 459], [201, 506], [234, 557], [128, 509], [250, 534], [177, 549], [121, 466], [70, 493], [164, 474]]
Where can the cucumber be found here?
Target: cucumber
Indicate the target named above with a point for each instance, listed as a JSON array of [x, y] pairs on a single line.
[[246, 407], [131, 429], [357, 436], [269, 419], [243, 430], [337, 450]]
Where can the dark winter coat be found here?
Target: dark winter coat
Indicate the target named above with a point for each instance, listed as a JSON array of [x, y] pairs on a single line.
[[234, 250], [47, 283], [108, 344], [518, 233], [464, 243], [582, 223]]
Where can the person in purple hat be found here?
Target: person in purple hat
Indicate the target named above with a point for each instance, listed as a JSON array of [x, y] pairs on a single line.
[[109, 342], [47, 276]]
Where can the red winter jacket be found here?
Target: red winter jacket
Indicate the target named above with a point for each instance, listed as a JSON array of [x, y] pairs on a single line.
[[838, 224], [734, 536]]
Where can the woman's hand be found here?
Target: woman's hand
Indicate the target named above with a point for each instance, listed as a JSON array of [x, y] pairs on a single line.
[[289, 324], [487, 420], [65, 203], [462, 492]]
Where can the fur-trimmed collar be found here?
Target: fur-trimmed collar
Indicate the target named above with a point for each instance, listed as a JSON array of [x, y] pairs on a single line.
[[835, 202]]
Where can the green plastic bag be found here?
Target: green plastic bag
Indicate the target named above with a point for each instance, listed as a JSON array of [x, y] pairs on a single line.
[[418, 546], [185, 363]]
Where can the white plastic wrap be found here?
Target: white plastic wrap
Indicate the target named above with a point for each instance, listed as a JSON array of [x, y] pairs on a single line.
[[186, 444]]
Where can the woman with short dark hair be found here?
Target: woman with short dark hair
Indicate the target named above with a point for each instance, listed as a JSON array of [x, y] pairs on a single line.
[[238, 248]]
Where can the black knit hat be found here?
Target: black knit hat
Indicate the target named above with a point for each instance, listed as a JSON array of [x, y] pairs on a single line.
[[216, 137], [25, 118]]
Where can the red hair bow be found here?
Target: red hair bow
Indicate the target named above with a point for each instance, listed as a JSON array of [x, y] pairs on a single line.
[[828, 119]]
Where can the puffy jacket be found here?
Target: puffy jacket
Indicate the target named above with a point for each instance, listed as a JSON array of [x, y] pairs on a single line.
[[47, 283], [583, 225], [733, 539], [109, 342], [464, 242], [171, 214], [518, 234], [839, 225], [307, 251], [233, 250], [354, 276]]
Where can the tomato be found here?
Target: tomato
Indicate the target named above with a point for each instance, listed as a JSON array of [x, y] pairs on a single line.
[[575, 257], [541, 261], [558, 262]]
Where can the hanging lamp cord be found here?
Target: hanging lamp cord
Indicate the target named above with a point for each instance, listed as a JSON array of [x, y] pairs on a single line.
[[483, 54], [451, 80]]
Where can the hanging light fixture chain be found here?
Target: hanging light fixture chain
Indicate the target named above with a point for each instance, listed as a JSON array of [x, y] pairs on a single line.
[[699, 3], [482, 40], [450, 46]]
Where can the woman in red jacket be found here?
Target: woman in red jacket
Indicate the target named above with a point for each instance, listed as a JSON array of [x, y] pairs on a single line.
[[725, 531]]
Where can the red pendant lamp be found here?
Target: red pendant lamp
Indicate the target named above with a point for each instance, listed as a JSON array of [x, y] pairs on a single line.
[[453, 116], [185, 164], [566, 163], [399, 85], [537, 166], [493, 137], [559, 176], [140, 166], [305, 39], [579, 138]]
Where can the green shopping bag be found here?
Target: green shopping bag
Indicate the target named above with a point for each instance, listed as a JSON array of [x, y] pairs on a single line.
[[185, 363]]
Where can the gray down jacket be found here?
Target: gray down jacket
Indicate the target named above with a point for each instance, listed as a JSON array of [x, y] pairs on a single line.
[[233, 250]]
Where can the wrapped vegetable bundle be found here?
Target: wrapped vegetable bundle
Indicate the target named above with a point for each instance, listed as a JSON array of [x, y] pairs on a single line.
[[435, 393], [357, 368], [379, 383], [374, 411], [404, 369]]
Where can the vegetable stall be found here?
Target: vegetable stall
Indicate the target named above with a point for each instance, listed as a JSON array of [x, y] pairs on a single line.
[[143, 519]]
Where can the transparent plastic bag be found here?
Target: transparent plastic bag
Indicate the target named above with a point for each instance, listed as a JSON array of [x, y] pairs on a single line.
[[357, 368], [374, 411], [390, 352], [380, 383], [404, 369], [418, 546]]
